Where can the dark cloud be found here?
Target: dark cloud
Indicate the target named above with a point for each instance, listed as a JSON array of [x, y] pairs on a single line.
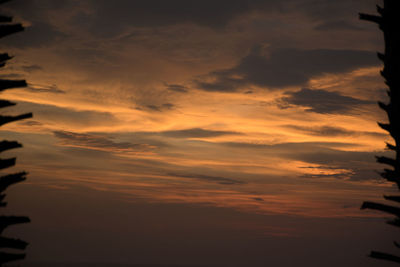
[[112, 18], [31, 68], [321, 101], [197, 133], [333, 172], [96, 142], [38, 34], [217, 179], [353, 173], [123, 14], [177, 88], [327, 130], [31, 123], [12, 76], [357, 165], [160, 108], [331, 10], [37, 88], [285, 67], [48, 114], [337, 25], [39, 31], [284, 147]]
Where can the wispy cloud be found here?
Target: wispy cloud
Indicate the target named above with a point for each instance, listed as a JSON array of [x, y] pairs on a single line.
[[321, 101], [177, 88], [197, 133], [38, 88], [332, 131], [31, 68], [217, 179], [95, 142], [285, 67]]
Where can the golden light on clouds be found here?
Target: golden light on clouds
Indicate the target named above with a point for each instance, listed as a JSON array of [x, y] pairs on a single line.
[[266, 109]]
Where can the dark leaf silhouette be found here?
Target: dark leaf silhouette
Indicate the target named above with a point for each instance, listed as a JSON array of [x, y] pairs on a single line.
[[388, 21], [7, 180]]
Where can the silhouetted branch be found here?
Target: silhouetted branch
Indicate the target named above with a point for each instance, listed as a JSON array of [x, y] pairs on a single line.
[[5, 18], [12, 243], [383, 106], [394, 222], [381, 56], [2, 204], [392, 198], [6, 163], [7, 145], [4, 57], [381, 207], [11, 179], [6, 103], [7, 257], [385, 75], [8, 84], [384, 256], [8, 119], [6, 221], [390, 146], [391, 176], [372, 18], [7, 180], [10, 29], [380, 10], [386, 127], [386, 160]]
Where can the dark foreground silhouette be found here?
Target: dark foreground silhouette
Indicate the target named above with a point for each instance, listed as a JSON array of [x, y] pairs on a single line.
[[7, 28], [388, 22]]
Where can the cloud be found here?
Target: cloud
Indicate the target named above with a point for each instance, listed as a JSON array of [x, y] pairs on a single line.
[[159, 13], [50, 115], [331, 131], [37, 88], [177, 88], [292, 146], [96, 142], [197, 133], [158, 108], [50, 23], [327, 172], [321, 101], [284, 68], [220, 180], [31, 68], [12, 76], [34, 15], [31, 123], [337, 25], [353, 165], [38, 34]]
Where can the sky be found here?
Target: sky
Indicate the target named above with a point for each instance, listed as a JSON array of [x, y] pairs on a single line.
[[197, 133]]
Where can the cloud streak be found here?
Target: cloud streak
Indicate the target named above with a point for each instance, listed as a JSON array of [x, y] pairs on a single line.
[[208, 178], [332, 131], [95, 142], [285, 67], [197, 133], [321, 101]]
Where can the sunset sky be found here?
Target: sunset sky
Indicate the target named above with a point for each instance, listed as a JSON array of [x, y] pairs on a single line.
[[198, 133]]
